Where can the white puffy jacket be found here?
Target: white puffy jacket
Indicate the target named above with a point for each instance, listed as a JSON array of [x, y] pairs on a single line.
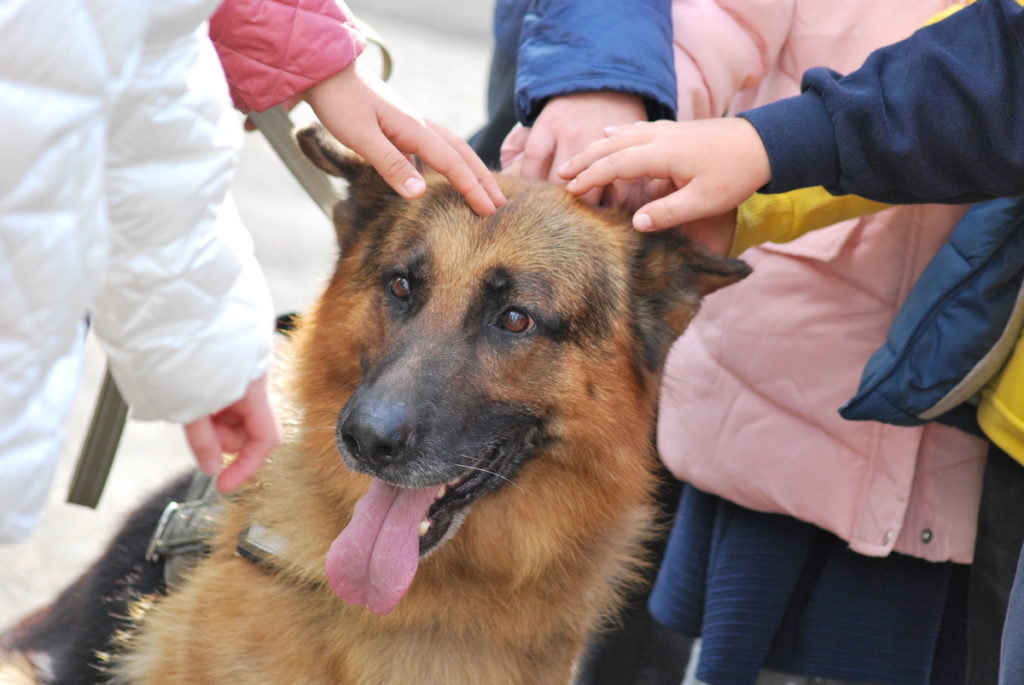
[[117, 142]]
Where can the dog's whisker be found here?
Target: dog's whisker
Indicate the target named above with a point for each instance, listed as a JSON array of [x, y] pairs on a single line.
[[493, 473]]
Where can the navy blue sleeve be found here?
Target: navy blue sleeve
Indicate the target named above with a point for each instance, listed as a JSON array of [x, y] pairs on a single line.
[[574, 46], [938, 117]]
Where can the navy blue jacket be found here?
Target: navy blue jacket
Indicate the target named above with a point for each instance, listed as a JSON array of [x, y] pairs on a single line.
[[938, 117], [573, 46]]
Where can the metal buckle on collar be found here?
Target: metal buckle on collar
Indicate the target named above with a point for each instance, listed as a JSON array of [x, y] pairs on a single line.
[[184, 528]]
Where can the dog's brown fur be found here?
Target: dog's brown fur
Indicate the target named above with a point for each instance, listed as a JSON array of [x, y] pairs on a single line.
[[536, 565]]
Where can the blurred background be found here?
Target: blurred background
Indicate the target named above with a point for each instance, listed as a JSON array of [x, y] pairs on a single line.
[[441, 52]]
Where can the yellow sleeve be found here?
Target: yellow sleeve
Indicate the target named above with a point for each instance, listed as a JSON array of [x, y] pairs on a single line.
[[784, 217], [952, 9]]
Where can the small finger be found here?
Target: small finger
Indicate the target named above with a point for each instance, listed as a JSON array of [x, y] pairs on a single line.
[[394, 167], [443, 158], [594, 197], [231, 434], [644, 128], [238, 471], [513, 168], [512, 146], [628, 163], [202, 440], [252, 455], [629, 136], [683, 206], [262, 436], [413, 135], [483, 174], [538, 154], [558, 160]]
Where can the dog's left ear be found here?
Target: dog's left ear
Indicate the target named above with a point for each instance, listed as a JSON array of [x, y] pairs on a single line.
[[368, 193], [671, 273]]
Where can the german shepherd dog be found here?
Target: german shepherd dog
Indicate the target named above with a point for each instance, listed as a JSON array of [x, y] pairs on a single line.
[[464, 489]]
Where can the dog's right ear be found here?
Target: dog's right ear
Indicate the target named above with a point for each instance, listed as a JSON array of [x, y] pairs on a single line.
[[368, 193], [671, 274]]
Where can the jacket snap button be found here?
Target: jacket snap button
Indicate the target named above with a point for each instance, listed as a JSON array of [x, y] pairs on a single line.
[[926, 535], [888, 537]]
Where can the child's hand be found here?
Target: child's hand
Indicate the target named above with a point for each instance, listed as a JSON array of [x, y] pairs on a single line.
[[247, 428], [712, 165], [565, 126], [362, 112]]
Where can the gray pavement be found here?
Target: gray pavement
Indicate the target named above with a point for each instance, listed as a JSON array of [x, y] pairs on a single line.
[[441, 50]]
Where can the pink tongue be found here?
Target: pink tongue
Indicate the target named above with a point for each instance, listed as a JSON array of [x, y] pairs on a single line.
[[374, 559]]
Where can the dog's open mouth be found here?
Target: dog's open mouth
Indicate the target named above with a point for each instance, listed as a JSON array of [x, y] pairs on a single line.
[[373, 561], [453, 500]]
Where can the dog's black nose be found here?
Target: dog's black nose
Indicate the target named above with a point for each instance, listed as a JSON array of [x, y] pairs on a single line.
[[377, 434]]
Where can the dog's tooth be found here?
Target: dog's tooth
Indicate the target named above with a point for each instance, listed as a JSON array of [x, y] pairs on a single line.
[[424, 527], [440, 491]]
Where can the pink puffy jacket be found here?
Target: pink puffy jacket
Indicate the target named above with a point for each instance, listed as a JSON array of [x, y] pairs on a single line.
[[274, 49], [749, 403]]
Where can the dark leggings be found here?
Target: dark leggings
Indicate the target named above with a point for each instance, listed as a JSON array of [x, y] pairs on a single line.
[[996, 555], [1011, 663]]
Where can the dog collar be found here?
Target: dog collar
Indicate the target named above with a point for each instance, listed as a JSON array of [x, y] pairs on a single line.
[[261, 546]]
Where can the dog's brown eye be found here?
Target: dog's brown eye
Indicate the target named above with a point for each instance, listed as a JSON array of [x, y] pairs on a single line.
[[400, 287], [515, 321]]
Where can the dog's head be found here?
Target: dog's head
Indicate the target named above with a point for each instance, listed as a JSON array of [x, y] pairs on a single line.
[[457, 348]]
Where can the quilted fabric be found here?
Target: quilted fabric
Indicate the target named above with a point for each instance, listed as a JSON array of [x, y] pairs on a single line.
[[118, 151], [274, 49], [573, 46]]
